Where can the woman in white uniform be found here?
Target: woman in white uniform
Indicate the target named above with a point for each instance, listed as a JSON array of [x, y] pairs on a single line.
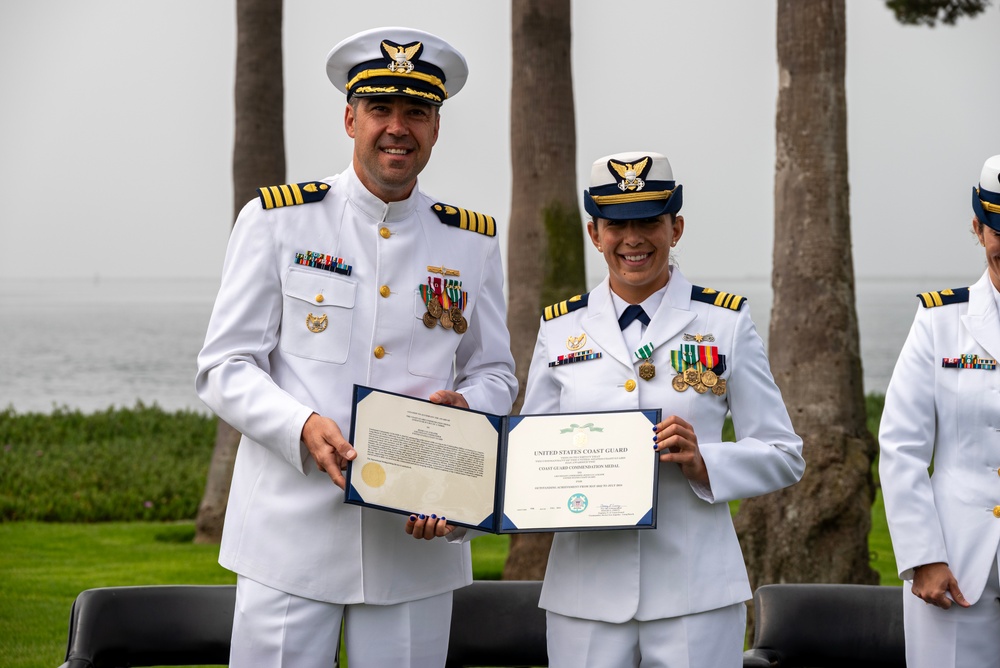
[[646, 338], [942, 408]]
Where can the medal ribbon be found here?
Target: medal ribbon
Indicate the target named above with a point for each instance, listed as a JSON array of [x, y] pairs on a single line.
[[690, 354], [454, 294], [708, 356], [437, 290], [645, 352], [426, 294], [677, 361]]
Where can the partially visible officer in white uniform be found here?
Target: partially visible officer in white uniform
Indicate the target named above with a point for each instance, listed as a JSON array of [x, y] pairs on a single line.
[[645, 338], [355, 278], [942, 410]]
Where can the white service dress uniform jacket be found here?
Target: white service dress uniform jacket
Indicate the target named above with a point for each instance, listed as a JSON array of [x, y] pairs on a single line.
[[264, 371], [691, 562], [949, 415]]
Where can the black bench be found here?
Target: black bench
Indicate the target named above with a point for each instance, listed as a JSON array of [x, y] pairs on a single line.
[[494, 623], [827, 626]]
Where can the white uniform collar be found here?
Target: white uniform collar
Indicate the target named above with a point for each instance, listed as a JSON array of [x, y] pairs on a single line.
[[374, 208], [982, 317], [996, 300]]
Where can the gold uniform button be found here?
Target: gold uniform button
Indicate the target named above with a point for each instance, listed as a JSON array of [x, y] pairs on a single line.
[[996, 511], [384, 291], [379, 352], [629, 385], [319, 299], [385, 232], [998, 471]]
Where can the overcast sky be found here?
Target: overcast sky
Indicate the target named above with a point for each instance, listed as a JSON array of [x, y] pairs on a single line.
[[116, 126]]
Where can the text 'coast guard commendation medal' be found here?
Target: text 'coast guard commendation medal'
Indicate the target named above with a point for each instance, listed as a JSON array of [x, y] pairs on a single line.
[[647, 369]]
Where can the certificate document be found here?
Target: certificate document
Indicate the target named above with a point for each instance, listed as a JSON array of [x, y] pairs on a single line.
[[503, 474]]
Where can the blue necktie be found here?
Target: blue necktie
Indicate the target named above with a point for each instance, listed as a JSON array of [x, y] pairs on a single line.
[[633, 312]]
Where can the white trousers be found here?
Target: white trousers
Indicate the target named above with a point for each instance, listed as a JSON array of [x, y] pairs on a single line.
[[957, 637], [712, 639], [272, 629]]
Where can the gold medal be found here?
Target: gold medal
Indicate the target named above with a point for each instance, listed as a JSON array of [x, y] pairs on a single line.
[[455, 312], [434, 307], [576, 342], [430, 322], [691, 376], [709, 378], [445, 319], [678, 383], [719, 388], [461, 324], [700, 388], [316, 324], [647, 370]]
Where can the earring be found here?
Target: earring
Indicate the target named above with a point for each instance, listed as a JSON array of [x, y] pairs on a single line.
[[600, 250]]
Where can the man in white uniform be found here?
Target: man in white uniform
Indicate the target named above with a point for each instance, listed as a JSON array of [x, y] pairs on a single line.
[[356, 278]]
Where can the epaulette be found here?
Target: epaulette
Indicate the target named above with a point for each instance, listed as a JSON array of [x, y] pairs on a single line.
[[723, 299], [565, 306], [465, 219], [273, 197], [944, 297]]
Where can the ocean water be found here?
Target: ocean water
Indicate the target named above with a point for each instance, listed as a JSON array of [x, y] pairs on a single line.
[[91, 344]]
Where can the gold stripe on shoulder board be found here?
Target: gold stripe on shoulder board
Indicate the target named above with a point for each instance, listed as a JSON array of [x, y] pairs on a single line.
[[565, 306], [716, 298], [944, 297], [465, 219], [274, 197]]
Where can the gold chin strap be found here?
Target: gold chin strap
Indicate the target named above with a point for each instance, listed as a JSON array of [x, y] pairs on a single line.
[[631, 197]]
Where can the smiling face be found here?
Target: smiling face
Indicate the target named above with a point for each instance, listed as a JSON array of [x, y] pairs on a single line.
[[393, 137], [989, 238], [637, 252]]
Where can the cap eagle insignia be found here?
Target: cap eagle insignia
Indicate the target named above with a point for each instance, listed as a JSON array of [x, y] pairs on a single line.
[[401, 56], [631, 173]]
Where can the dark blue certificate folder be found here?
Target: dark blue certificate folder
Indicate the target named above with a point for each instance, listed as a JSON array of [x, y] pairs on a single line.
[[500, 473]]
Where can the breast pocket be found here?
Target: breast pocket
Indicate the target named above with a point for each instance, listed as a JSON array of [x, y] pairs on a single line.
[[316, 317], [432, 349]]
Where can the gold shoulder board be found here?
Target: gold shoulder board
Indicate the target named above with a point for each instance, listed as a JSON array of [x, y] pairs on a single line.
[[273, 197], [944, 297], [716, 298], [465, 219], [565, 306]]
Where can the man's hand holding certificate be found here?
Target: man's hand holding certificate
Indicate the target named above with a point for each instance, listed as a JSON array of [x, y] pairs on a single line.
[[503, 474]]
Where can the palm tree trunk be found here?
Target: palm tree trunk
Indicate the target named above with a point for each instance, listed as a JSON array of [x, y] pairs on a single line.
[[545, 245], [258, 160], [817, 530]]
